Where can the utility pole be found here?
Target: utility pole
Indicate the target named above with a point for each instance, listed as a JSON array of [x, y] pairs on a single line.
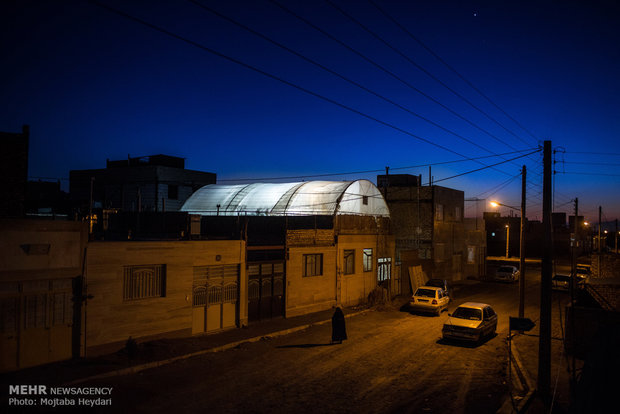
[[544, 344], [508, 240], [571, 286], [600, 247], [522, 247]]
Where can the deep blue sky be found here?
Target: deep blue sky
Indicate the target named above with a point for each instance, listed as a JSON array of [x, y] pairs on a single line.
[[94, 85]]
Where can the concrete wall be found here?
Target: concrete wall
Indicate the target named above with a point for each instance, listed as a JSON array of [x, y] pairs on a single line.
[[40, 269], [310, 293], [355, 287], [111, 320]]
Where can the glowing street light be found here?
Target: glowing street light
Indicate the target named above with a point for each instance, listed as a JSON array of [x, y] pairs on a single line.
[[497, 204]]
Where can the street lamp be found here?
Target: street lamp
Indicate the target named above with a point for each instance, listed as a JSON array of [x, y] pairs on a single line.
[[497, 204]]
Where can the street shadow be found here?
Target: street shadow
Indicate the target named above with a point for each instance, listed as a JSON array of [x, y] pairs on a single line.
[[305, 345]]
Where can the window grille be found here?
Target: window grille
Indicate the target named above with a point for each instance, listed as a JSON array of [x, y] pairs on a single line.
[[312, 265], [8, 315], [216, 284], [63, 309], [367, 260], [36, 311], [142, 282], [349, 262]]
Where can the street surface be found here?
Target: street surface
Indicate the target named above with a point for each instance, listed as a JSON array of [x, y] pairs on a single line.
[[393, 361]]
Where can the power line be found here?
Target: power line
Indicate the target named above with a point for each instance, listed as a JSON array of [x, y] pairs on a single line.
[[271, 76], [609, 164], [407, 58], [593, 153], [483, 168], [428, 49], [371, 171], [348, 80], [372, 62], [585, 173]]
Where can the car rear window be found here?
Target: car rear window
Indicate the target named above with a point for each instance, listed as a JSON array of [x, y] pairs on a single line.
[[429, 293], [468, 313]]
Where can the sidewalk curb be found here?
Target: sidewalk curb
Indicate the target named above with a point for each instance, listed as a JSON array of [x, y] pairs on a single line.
[[526, 382], [137, 368]]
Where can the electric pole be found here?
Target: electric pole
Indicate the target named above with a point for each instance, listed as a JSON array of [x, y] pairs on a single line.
[[522, 247], [544, 344]]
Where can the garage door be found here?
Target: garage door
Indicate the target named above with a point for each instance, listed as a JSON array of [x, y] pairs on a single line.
[[215, 298]]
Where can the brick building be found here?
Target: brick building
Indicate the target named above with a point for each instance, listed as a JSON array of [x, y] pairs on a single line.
[[13, 172], [430, 231]]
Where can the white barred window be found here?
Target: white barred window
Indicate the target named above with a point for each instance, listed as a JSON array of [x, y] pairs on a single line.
[[142, 282]]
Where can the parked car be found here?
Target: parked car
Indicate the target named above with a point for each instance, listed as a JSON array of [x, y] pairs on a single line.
[[561, 282], [582, 272], [471, 321], [429, 299], [507, 274], [441, 283]]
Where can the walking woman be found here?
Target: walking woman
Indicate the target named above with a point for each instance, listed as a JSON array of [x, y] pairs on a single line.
[[339, 331]]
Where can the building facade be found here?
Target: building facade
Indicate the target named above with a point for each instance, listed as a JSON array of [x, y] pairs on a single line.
[[430, 230], [41, 268], [154, 183], [151, 289]]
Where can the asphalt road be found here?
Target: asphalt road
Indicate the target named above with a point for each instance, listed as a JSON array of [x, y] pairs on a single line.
[[393, 361]]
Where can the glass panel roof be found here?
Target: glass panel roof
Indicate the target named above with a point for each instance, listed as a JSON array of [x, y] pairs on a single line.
[[359, 197]]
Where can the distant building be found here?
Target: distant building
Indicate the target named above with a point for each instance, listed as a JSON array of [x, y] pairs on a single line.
[[13, 172], [153, 183], [46, 199]]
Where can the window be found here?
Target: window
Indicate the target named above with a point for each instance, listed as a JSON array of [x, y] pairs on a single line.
[[365, 200], [141, 282], [349, 262], [471, 254], [367, 260], [312, 265], [457, 214], [439, 212], [173, 192]]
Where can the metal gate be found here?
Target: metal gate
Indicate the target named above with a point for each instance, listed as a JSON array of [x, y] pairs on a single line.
[[265, 290], [384, 269], [36, 322], [215, 298]]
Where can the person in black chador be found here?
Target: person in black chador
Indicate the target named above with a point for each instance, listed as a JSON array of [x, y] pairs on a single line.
[[339, 331]]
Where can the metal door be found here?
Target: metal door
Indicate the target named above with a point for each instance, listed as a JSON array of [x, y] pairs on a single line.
[[265, 290], [215, 298]]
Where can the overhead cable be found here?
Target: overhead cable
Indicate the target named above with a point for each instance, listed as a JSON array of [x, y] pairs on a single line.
[[333, 72], [429, 50], [274, 77], [435, 78]]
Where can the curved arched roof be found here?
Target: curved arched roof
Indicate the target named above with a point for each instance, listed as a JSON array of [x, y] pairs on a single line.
[[360, 197]]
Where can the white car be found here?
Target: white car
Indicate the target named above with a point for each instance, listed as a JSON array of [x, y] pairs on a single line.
[[471, 321], [429, 299], [507, 274]]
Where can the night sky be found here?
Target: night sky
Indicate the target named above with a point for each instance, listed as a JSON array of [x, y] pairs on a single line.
[[368, 85]]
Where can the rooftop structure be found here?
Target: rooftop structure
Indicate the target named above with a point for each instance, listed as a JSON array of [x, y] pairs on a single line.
[[360, 197]]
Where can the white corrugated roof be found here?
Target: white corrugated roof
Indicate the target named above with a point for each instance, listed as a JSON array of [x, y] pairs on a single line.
[[360, 197]]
